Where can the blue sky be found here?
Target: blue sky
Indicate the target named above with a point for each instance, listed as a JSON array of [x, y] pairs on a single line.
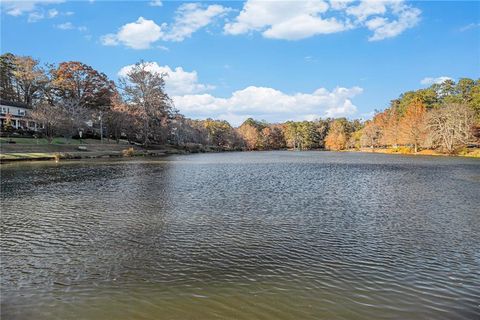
[[268, 59]]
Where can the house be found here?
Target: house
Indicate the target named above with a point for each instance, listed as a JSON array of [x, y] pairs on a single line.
[[16, 113]]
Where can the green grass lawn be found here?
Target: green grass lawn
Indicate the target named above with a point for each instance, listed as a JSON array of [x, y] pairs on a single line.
[[58, 140], [16, 156], [38, 141]]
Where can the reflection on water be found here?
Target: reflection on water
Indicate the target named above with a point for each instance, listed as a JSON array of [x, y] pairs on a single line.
[[268, 235]]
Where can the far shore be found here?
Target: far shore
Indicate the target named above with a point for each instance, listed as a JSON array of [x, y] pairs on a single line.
[[469, 153]]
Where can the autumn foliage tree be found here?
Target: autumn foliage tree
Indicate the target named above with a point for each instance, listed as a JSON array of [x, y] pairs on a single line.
[[338, 135], [73, 95], [220, 133], [7, 78], [80, 91], [31, 79], [272, 137], [251, 135], [413, 125]]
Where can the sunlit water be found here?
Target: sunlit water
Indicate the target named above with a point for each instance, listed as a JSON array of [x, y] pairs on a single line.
[[268, 235]]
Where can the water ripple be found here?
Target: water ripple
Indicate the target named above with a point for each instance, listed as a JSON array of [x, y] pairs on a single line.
[[268, 235]]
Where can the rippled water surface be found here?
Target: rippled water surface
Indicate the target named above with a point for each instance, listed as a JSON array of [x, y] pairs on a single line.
[[267, 235]]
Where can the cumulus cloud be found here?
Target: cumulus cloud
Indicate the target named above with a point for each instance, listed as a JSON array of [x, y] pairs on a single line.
[[17, 8], [294, 20], [189, 18], [430, 80], [177, 80], [270, 104], [384, 28], [34, 10], [137, 35], [367, 8], [339, 4], [193, 99], [291, 20]]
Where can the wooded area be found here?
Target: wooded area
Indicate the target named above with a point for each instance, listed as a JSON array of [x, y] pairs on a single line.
[[69, 97]]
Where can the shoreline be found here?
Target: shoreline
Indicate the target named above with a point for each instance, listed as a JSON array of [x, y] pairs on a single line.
[[65, 156], [176, 150], [475, 152], [107, 151]]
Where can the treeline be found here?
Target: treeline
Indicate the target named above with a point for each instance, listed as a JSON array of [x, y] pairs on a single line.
[[443, 117], [71, 96]]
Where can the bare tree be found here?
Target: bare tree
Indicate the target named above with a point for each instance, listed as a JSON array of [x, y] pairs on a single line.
[[144, 93], [451, 125], [371, 135], [51, 117]]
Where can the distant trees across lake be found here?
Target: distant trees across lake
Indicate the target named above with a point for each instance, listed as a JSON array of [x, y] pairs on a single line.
[[72, 97]]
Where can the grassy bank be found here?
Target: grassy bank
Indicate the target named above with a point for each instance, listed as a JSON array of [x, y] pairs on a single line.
[[37, 156], [29, 149]]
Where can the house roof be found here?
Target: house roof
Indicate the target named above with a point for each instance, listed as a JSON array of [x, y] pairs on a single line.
[[4, 102]]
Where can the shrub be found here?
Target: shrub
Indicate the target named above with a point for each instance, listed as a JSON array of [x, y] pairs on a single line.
[[130, 152], [402, 150]]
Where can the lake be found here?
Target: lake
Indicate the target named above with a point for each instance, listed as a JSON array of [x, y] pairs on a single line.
[[253, 235]]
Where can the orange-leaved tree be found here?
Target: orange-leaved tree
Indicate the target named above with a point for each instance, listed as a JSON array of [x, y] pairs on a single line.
[[413, 125]]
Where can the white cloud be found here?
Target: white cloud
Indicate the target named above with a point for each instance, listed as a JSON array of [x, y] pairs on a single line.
[[288, 20], [34, 9], [367, 8], [156, 3], [284, 19], [469, 27], [430, 80], [38, 15], [52, 13], [270, 104], [109, 39], [383, 28], [70, 26], [17, 8], [65, 26], [177, 81], [35, 16], [339, 4], [191, 17], [294, 20], [304, 27], [192, 99], [137, 35]]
